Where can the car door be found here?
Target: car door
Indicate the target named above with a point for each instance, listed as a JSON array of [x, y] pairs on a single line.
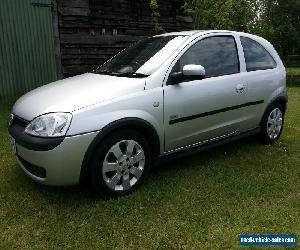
[[200, 110]]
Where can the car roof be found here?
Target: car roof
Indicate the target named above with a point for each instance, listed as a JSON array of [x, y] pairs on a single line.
[[202, 32], [181, 33], [193, 32]]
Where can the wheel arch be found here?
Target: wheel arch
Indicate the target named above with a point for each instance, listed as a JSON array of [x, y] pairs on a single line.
[[281, 99], [138, 124]]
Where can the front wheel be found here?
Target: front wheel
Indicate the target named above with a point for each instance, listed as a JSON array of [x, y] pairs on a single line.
[[272, 124], [120, 163]]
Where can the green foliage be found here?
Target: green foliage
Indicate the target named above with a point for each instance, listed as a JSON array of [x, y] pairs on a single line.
[[155, 16], [221, 14], [154, 5], [277, 21]]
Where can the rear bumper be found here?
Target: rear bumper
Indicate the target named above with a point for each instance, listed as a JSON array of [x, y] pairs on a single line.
[[60, 166]]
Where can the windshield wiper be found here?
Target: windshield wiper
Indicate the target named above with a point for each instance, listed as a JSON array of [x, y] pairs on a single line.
[[127, 74], [103, 72], [132, 74]]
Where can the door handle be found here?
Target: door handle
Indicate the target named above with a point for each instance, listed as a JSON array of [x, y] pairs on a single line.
[[240, 88]]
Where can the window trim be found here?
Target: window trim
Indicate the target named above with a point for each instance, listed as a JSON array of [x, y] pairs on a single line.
[[208, 37], [251, 39]]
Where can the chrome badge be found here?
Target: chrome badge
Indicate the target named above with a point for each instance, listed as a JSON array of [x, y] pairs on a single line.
[[11, 119]]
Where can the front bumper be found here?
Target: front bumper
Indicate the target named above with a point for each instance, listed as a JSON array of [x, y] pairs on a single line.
[[62, 165], [51, 161]]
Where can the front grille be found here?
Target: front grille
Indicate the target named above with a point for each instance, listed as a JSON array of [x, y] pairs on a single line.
[[35, 170]]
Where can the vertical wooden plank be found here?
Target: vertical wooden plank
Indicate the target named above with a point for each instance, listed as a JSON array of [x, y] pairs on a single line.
[[56, 33]]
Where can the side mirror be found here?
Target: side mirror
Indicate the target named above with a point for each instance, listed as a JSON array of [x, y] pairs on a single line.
[[189, 72], [193, 70]]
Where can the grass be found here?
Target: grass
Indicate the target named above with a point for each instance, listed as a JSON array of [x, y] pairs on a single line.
[[293, 71], [293, 76], [202, 202]]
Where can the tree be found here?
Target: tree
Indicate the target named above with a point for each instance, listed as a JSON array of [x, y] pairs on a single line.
[[155, 16], [221, 14], [279, 22], [276, 20]]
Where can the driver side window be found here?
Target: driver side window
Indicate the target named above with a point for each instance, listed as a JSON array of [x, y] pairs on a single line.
[[218, 55]]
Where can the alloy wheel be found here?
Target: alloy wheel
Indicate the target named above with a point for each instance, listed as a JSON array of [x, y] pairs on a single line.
[[123, 165], [274, 124]]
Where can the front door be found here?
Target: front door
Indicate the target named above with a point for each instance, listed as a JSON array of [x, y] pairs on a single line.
[[199, 110]]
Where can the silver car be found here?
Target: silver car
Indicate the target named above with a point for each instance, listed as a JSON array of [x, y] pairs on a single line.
[[164, 95]]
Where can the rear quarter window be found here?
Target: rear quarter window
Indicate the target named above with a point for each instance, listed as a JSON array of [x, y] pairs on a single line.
[[256, 56]]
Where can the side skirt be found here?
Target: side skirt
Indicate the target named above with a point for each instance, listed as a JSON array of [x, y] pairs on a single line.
[[202, 146]]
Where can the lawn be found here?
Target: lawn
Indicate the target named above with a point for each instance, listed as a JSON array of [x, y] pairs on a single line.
[[203, 202], [293, 71], [293, 76]]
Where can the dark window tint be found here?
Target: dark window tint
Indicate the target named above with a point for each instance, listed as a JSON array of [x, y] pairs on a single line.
[[256, 56], [218, 55]]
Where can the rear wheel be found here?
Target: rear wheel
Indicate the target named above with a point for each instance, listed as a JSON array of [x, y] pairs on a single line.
[[272, 124], [120, 163]]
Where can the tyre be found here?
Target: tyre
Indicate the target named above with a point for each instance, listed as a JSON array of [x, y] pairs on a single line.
[[272, 124], [120, 163]]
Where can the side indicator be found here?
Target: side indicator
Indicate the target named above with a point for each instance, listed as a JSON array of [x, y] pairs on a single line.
[[156, 104]]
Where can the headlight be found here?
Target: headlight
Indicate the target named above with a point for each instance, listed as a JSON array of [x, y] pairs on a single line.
[[49, 125]]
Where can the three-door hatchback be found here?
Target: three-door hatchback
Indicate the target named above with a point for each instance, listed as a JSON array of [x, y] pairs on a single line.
[[164, 95]]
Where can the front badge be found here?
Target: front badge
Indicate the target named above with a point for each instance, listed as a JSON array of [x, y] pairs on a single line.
[[11, 119]]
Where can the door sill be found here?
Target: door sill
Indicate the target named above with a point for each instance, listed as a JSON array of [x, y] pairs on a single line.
[[207, 144]]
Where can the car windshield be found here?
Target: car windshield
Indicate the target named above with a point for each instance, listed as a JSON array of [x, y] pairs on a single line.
[[143, 58]]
